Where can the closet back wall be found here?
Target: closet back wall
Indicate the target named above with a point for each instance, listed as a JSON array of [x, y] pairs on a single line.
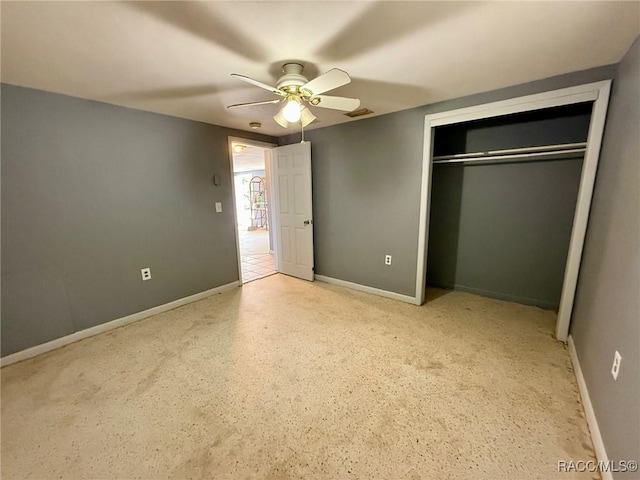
[[92, 193], [503, 229]]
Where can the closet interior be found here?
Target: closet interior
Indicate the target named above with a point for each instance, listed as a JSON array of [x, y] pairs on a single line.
[[503, 198]]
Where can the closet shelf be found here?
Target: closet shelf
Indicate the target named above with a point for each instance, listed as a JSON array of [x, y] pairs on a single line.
[[542, 152]]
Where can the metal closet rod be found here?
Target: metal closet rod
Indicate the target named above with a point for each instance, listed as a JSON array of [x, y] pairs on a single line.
[[515, 153]]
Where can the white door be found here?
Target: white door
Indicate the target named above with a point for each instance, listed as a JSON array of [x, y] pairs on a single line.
[[291, 171]]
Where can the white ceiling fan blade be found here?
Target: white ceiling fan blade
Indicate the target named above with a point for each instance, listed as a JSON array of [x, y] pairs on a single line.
[[279, 118], [337, 103], [251, 104], [306, 117], [334, 78], [259, 84]]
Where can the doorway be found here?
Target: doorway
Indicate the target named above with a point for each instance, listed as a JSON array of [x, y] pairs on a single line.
[[250, 162]]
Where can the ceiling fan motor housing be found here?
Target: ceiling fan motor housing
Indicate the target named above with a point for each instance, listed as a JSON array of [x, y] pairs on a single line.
[[292, 79]]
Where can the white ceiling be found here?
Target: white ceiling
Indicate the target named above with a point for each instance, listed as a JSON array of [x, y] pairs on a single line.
[[176, 57], [250, 159]]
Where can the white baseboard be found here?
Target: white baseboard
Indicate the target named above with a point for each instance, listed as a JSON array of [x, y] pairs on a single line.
[[105, 327], [596, 437], [364, 288]]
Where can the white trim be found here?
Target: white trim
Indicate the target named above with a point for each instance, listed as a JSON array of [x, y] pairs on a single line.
[[599, 93], [596, 437], [425, 209], [105, 327], [269, 193], [366, 289], [253, 143], [581, 216], [565, 96], [272, 220]]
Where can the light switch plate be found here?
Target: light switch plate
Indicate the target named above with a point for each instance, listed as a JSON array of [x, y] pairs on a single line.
[[617, 360], [218, 207]]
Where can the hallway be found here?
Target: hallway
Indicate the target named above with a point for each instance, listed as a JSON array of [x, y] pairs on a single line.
[[257, 262]]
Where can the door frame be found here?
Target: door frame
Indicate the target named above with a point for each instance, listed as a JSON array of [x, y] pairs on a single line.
[[267, 167], [598, 92]]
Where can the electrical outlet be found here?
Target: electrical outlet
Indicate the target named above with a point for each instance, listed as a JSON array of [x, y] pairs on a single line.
[[218, 207], [617, 360], [146, 274], [387, 259]]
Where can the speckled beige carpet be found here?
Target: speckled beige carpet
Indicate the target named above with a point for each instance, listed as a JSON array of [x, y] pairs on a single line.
[[288, 379]]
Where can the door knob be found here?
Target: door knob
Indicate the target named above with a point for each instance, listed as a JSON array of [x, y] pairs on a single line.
[[307, 222]]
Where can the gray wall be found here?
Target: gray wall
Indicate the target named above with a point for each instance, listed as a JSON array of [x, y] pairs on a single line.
[[366, 187], [92, 193], [366, 200], [503, 230], [606, 314]]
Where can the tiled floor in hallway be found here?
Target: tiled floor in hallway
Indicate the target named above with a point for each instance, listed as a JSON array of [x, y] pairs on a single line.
[[257, 262]]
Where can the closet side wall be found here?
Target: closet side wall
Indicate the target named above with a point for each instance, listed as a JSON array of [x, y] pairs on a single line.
[[503, 230]]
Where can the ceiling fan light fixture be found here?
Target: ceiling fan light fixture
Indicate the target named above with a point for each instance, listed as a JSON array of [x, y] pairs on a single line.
[[295, 90], [292, 109], [306, 117], [280, 120]]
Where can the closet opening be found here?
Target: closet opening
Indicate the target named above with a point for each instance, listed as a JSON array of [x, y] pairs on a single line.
[[506, 192], [503, 198]]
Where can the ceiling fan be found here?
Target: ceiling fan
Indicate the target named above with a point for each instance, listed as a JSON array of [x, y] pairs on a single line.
[[295, 90]]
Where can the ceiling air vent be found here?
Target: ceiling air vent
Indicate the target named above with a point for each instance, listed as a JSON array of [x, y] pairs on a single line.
[[359, 113]]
